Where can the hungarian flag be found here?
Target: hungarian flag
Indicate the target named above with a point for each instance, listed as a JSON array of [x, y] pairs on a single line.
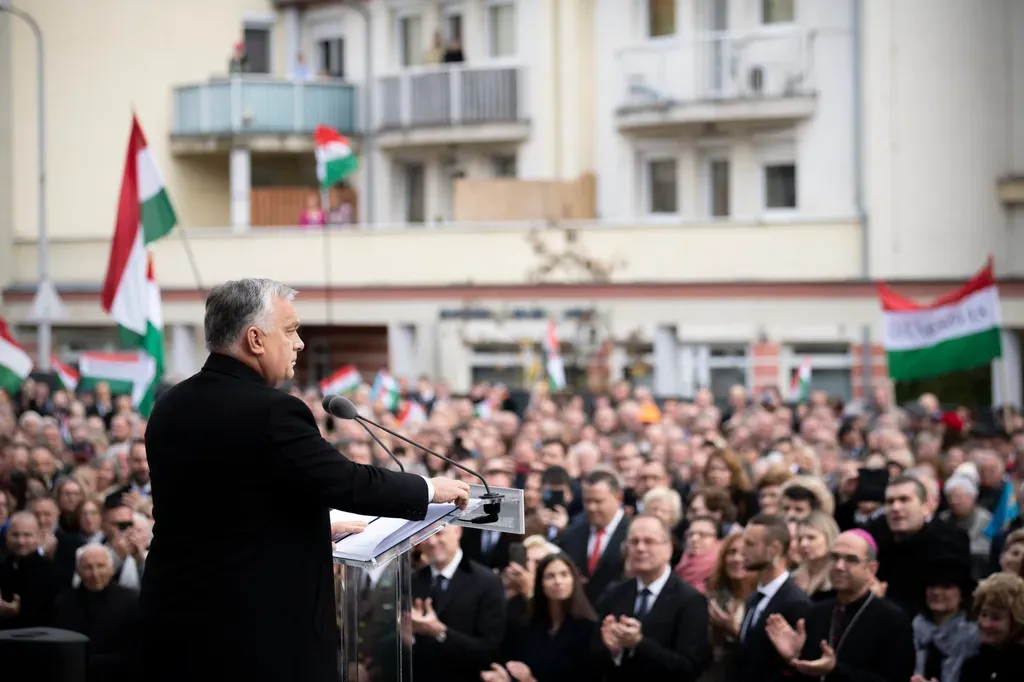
[[385, 389], [15, 363], [956, 332], [800, 388], [345, 380], [131, 295], [128, 373], [553, 359], [335, 159], [66, 377]]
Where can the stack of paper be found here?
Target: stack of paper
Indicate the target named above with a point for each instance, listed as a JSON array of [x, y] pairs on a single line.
[[383, 533]]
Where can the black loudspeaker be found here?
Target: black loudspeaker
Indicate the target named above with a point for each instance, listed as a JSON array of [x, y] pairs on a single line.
[[44, 654]]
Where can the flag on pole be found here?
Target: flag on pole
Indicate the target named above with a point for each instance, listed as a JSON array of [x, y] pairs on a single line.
[[411, 413], [335, 159], [66, 377], [131, 295], [552, 359], [129, 373], [800, 388], [15, 363], [345, 380], [958, 331], [385, 389]]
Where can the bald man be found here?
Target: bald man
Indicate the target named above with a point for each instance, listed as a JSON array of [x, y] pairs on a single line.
[[858, 634], [104, 612], [28, 580]]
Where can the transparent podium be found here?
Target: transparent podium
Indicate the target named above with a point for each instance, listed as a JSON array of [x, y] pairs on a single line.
[[373, 589]]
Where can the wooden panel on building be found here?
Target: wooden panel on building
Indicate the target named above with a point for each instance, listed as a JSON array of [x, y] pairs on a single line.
[[282, 206], [328, 349]]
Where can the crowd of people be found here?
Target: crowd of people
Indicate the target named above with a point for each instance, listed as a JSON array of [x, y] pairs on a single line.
[[666, 539]]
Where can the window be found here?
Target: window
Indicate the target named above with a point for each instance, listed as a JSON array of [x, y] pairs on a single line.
[[662, 186], [778, 11], [505, 167], [661, 18], [727, 367], [453, 26], [501, 28], [257, 49], [780, 186], [332, 57], [410, 41], [830, 368], [716, 175], [415, 201]]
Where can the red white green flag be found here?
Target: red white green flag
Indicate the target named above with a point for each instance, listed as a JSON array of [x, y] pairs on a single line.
[[129, 373], [958, 331], [335, 159], [131, 295], [15, 362], [345, 380], [66, 377], [553, 359], [800, 388]]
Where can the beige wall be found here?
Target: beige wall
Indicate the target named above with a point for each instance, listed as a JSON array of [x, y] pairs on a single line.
[[104, 59], [478, 255], [6, 168]]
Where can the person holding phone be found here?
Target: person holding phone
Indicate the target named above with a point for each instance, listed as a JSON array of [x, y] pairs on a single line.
[[556, 496]]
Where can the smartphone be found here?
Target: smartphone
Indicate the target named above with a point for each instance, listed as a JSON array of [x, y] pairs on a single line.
[[517, 553], [554, 498]]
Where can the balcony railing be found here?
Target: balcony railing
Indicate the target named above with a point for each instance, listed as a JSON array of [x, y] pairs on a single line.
[[255, 104], [450, 96], [717, 67]]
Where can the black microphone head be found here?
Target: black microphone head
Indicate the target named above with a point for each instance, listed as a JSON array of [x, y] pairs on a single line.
[[340, 407]]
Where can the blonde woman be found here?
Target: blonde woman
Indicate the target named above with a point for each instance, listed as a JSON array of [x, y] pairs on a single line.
[[815, 536], [999, 612]]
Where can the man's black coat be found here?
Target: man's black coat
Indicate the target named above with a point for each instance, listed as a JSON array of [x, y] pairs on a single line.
[[238, 583]]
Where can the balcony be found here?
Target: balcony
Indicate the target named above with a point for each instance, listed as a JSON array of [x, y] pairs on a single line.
[[452, 104], [716, 78], [263, 113]]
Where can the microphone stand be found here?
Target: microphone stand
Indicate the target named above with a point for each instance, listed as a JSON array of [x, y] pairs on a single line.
[[379, 442]]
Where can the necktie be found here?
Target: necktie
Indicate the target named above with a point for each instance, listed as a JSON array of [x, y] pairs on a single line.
[[645, 604], [748, 619], [595, 553], [439, 586]]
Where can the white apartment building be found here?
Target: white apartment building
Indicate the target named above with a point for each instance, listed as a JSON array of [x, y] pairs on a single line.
[[759, 164]]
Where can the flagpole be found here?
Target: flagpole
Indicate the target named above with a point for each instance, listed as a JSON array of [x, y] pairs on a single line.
[[325, 201]]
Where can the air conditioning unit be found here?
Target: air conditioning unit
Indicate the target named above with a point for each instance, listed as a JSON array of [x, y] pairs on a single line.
[[640, 93]]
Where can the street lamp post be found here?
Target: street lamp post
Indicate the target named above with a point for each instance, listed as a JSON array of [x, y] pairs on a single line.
[[43, 306]]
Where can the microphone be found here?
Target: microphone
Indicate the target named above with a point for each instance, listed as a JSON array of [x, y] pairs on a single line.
[[343, 408]]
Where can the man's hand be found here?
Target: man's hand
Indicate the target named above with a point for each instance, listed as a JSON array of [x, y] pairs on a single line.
[[520, 672], [610, 635], [130, 499], [788, 642], [339, 528], [449, 490], [425, 620], [630, 633], [50, 545], [557, 517], [821, 667], [10, 609], [495, 674]]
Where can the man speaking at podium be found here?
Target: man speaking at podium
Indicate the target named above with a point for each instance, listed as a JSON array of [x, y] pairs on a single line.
[[238, 584]]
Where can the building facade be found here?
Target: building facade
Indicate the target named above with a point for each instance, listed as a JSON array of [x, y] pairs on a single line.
[[758, 165]]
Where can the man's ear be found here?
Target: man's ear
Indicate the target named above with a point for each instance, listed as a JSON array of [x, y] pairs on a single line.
[[254, 341]]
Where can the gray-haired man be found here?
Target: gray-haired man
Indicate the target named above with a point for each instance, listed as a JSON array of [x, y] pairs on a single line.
[[243, 589]]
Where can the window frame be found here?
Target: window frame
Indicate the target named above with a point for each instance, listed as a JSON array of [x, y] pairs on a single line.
[[647, 186], [490, 5], [777, 152], [645, 22], [708, 157], [263, 21], [776, 25], [401, 15]]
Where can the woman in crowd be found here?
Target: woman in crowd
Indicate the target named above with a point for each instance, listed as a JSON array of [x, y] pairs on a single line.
[[1012, 558], [69, 496], [701, 554], [966, 514], [724, 471], [944, 637], [729, 586], [554, 644], [667, 505], [90, 519], [815, 536], [999, 612], [715, 503]]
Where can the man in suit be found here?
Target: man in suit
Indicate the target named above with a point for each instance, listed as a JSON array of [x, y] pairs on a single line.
[[595, 546], [490, 547], [655, 626], [249, 595], [765, 541], [458, 615]]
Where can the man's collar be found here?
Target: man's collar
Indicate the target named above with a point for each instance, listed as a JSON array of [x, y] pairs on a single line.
[[449, 570], [225, 364], [657, 585]]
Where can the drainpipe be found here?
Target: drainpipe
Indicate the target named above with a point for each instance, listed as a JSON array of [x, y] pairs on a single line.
[[858, 180], [368, 110]]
